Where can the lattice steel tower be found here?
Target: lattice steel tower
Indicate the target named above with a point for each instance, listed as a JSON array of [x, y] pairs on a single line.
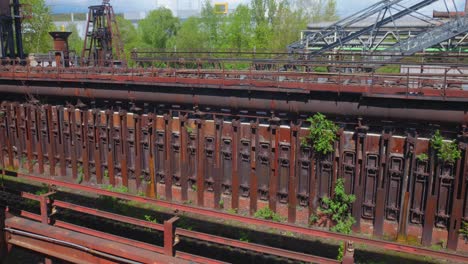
[[10, 30], [102, 44]]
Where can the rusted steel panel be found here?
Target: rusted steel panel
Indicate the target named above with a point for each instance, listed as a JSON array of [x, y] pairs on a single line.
[[284, 158], [111, 146], [304, 172], [29, 140], [395, 176], [431, 201], [183, 152], [144, 144], [192, 150], [245, 160], [361, 150], [85, 144], [292, 191], [253, 179], [160, 150], [446, 175], [227, 158], [209, 155], [98, 141], [420, 184], [324, 177], [372, 161], [60, 112], [235, 194], [123, 147], [130, 143], [73, 142], [218, 173], [175, 153], [167, 159], [264, 158], [200, 140]]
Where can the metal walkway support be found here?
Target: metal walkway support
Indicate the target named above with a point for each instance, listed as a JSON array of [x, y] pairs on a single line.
[[436, 35], [387, 11], [10, 30]]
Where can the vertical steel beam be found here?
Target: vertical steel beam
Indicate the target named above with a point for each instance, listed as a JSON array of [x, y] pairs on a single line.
[[386, 144], [458, 195], [274, 174], [254, 139], [85, 144], [292, 196], [51, 140], [97, 145], [217, 177], [138, 151], [431, 201], [61, 134], [123, 147], [110, 146], [73, 140], [361, 150], [200, 161], [183, 156], [169, 236], [29, 139], [235, 166], [167, 160]]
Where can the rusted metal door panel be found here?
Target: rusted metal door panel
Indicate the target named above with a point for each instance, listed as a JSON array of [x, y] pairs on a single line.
[[175, 157], [91, 142], [130, 146], [324, 177], [372, 167], [209, 155], [160, 147], [348, 170], [284, 164], [244, 158], [144, 145], [263, 162], [420, 184], [191, 154], [444, 199], [395, 177], [62, 158], [227, 158], [102, 145], [117, 144]]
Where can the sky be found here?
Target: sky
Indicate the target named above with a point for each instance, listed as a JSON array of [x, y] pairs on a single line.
[[345, 7]]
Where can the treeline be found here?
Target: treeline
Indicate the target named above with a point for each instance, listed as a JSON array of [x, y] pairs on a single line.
[[262, 25], [268, 25]]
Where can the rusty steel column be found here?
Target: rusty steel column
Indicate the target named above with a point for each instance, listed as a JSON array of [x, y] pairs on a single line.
[[254, 139], [235, 166], [361, 150], [292, 191], [431, 200], [410, 163], [458, 194], [45, 201], [169, 236]]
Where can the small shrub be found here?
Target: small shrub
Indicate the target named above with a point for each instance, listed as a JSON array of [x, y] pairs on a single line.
[[446, 151], [232, 210], [338, 209], [422, 157], [267, 214], [313, 219], [464, 230], [244, 237], [80, 175], [341, 252], [322, 134], [221, 203], [106, 173], [151, 219], [189, 129]]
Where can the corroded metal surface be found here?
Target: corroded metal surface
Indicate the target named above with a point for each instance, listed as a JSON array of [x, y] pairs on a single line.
[[219, 163]]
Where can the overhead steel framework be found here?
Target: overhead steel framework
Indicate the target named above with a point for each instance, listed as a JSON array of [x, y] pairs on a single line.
[[337, 35], [433, 36]]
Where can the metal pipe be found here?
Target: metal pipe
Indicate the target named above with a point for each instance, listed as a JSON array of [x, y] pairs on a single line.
[[73, 245]]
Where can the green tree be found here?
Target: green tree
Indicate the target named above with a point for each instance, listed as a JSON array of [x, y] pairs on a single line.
[[75, 42], [211, 26], [36, 38], [158, 27], [239, 29], [190, 36]]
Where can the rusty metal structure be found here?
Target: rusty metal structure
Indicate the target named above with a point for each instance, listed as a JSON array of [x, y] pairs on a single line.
[[102, 44], [224, 131], [11, 43]]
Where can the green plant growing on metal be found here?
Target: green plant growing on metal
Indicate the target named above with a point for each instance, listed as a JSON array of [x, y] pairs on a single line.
[[422, 157], [446, 151], [338, 209], [341, 249], [106, 173], [80, 175], [151, 219], [464, 230], [322, 134], [267, 214], [313, 219], [221, 203]]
